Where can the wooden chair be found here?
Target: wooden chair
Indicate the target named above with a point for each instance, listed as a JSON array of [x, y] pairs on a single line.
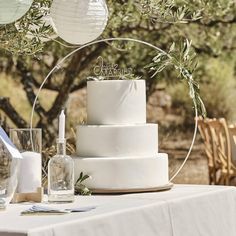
[[232, 130], [204, 130], [222, 150]]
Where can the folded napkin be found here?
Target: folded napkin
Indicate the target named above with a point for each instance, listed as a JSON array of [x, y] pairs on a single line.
[[41, 210]]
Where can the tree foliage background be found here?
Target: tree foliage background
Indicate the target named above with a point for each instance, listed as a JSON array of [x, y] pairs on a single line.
[[210, 26]]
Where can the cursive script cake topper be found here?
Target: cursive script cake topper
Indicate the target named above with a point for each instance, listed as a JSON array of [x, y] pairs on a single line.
[[110, 70]]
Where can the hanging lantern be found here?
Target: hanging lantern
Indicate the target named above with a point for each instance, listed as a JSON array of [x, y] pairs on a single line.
[[12, 10], [79, 21]]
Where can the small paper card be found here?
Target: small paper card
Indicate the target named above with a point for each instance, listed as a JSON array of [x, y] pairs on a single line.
[[41, 210], [9, 145]]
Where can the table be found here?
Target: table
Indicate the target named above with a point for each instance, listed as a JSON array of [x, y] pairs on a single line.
[[186, 210]]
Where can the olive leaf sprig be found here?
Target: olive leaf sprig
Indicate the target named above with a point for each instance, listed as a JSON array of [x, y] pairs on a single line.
[[26, 36], [81, 188], [168, 11], [183, 59]]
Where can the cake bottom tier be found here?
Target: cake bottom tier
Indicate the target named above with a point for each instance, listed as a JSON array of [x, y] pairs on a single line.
[[124, 173]]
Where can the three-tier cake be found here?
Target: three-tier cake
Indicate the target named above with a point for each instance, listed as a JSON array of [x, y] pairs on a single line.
[[117, 148]]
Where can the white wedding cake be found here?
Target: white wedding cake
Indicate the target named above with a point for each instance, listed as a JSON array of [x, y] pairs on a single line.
[[117, 148]]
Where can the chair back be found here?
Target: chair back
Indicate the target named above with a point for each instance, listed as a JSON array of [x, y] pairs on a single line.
[[221, 145], [204, 130], [232, 131]]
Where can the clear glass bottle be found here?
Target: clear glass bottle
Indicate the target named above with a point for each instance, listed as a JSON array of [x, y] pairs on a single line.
[[61, 176]]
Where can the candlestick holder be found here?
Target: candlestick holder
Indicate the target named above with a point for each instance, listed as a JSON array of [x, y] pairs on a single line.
[[29, 143], [61, 175]]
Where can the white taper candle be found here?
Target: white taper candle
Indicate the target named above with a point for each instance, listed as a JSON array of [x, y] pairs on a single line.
[[29, 178], [62, 127]]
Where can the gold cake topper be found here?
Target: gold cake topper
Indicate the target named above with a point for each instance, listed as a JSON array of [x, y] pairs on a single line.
[[110, 70]]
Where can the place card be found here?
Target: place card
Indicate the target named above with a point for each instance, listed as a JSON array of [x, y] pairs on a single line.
[[42, 210]]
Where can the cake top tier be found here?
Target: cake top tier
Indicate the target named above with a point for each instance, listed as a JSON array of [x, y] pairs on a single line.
[[116, 102]]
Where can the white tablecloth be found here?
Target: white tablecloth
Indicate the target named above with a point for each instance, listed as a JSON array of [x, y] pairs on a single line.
[[186, 210]]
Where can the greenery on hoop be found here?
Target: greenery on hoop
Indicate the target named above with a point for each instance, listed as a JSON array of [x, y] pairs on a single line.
[[180, 56], [184, 60]]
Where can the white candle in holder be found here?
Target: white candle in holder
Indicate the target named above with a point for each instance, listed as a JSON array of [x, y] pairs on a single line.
[[30, 174], [62, 127]]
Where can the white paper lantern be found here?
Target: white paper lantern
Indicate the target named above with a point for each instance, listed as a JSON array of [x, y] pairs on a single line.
[[79, 21], [12, 10]]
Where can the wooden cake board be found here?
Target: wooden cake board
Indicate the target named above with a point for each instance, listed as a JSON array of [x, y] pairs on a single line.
[[28, 197], [134, 190]]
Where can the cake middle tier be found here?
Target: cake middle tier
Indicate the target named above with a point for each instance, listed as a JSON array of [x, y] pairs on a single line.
[[117, 140]]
